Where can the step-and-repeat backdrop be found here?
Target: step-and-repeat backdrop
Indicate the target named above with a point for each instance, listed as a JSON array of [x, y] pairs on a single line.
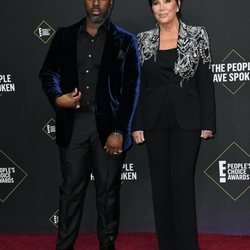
[[29, 164]]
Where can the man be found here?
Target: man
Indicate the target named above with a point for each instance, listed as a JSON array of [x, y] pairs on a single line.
[[91, 77]]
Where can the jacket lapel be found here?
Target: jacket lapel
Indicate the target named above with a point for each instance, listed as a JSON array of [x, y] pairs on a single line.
[[72, 36], [112, 47], [111, 51]]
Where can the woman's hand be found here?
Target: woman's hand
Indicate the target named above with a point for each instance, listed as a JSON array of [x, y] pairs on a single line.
[[206, 134], [138, 136]]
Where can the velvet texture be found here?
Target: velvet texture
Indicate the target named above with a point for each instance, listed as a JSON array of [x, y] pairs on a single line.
[[117, 87]]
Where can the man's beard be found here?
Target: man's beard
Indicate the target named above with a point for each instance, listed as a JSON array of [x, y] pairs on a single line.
[[98, 18]]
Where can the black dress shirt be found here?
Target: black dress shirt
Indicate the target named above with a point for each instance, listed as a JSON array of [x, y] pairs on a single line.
[[89, 56]]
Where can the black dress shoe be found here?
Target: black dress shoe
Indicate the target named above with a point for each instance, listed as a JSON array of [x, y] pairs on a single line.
[[108, 246]]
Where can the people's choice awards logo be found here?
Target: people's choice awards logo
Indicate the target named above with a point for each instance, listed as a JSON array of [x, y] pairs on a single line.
[[11, 176], [234, 171], [54, 219], [233, 73], [50, 129], [6, 84], [128, 173], [44, 32], [231, 171]]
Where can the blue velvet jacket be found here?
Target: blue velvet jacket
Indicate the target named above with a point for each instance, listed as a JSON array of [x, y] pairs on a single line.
[[117, 87]]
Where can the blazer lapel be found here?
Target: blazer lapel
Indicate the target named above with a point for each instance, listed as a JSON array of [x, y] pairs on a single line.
[[112, 47], [72, 36], [111, 51]]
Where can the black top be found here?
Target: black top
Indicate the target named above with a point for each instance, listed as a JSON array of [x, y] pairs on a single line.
[[193, 101], [166, 60], [89, 56]]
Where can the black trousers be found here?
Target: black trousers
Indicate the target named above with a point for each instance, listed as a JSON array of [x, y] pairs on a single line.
[[84, 155], [172, 155]]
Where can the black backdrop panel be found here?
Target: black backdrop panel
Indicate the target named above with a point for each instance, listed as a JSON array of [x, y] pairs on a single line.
[[29, 165]]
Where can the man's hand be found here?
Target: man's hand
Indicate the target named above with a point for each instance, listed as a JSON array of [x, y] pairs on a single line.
[[114, 144], [138, 136], [70, 100]]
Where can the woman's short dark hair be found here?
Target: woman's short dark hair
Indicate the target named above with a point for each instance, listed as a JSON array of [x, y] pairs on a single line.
[[177, 1]]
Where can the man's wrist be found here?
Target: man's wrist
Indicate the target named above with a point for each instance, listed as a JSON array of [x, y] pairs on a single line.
[[117, 133], [56, 96]]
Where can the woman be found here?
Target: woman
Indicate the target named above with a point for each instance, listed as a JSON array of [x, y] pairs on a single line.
[[175, 110]]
